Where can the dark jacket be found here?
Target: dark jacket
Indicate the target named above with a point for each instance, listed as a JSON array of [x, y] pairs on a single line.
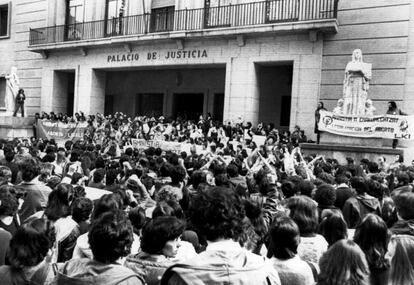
[[356, 208], [403, 228]]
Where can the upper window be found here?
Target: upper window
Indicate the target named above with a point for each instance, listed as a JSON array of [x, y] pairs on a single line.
[[115, 8], [75, 12], [4, 20]]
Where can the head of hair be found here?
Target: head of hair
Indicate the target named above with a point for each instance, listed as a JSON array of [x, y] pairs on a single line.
[[31, 243], [305, 188], [327, 178], [285, 237], [137, 217], [344, 263], [288, 189], [304, 212], [168, 208], [393, 105], [110, 237], [232, 170], [197, 178], [58, 204], [333, 226], [404, 203], [158, 231], [29, 169], [217, 213], [325, 195], [8, 203], [9, 155], [81, 209], [177, 174], [98, 175], [402, 260], [359, 184], [111, 175], [372, 236], [107, 203]]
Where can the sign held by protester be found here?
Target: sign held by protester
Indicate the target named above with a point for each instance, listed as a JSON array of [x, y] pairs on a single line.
[[61, 132], [383, 126]]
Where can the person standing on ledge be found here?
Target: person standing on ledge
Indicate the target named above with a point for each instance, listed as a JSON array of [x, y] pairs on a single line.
[[19, 102], [394, 110], [317, 119]]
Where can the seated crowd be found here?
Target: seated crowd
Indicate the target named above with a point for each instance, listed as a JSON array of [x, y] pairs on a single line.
[[228, 214]]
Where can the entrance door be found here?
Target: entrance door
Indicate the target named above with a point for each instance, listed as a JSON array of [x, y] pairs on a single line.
[[149, 104], [218, 107], [188, 105]]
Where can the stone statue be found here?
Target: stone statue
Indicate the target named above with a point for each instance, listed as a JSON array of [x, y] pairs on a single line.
[[339, 109], [369, 109], [12, 81], [356, 85]]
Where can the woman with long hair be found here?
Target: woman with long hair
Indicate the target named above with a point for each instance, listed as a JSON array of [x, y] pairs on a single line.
[[372, 236], [344, 263], [401, 252], [304, 211]]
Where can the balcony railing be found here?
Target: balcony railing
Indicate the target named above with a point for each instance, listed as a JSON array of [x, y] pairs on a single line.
[[240, 15]]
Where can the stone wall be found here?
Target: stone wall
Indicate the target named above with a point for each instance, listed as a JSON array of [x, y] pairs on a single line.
[[381, 29]]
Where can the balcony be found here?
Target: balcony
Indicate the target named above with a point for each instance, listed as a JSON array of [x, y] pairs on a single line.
[[241, 19]]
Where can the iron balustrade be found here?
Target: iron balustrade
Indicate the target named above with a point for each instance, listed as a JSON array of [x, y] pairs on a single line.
[[248, 14]]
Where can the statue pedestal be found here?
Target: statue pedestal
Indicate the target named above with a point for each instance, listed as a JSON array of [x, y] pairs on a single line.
[[340, 147], [16, 127]]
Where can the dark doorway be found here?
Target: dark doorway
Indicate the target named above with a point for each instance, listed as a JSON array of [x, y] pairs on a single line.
[[71, 94], [218, 107], [275, 85], [188, 105], [150, 104], [64, 92]]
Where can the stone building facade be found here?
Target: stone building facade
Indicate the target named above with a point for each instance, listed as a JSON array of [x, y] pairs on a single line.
[[269, 61]]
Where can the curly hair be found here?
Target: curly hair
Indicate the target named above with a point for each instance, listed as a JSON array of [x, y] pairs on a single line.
[[29, 169], [344, 263], [158, 231], [325, 195], [81, 209], [217, 213], [8, 204], [110, 237], [31, 243]]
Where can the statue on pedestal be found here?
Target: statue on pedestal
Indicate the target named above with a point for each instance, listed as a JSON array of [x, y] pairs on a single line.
[[12, 81], [356, 85]]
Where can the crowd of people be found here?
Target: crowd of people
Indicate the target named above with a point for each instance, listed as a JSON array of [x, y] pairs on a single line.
[[232, 213]]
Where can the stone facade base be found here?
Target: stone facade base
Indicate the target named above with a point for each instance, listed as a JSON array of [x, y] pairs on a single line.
[[16, 127]]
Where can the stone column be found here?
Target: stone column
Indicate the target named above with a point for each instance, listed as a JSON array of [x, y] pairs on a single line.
[[89, 90], [241, 91]]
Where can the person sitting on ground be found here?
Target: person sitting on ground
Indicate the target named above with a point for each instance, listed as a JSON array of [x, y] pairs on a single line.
[[344, 263], [110, 238], [218, 213], [404, 204], [160, 241], [356, 208], [285, 238], [28, 255]]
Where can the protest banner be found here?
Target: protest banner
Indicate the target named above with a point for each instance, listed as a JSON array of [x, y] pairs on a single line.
[[164, 145], [60, 131], [383, 126], [259, 140]]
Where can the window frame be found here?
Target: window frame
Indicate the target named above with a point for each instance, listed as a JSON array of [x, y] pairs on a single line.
[[8, 5]]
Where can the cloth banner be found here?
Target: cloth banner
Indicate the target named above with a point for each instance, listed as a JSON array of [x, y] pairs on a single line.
[[165, 145], [259, 140], [383, 126], [59, 131]]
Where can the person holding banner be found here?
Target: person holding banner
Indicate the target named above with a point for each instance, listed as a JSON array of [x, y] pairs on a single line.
[[317, 118], [394, 110]]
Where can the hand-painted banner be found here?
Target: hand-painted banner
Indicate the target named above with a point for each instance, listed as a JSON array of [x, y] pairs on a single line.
[[165, 145], [59, 131], [384, 126]]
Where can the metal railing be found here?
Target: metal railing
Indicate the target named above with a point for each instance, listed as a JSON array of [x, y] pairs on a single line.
[[249, 14]]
